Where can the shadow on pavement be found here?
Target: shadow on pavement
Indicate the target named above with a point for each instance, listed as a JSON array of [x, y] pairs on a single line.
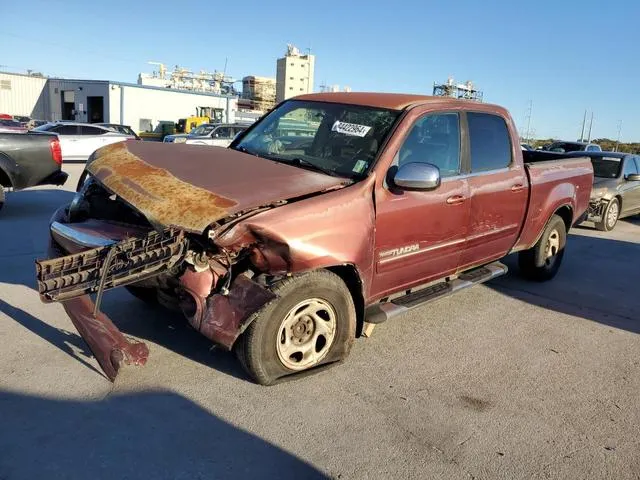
[[62, 339], [152, 435], [597, 281]]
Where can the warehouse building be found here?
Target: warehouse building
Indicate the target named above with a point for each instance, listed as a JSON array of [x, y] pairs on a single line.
[[142, 107]]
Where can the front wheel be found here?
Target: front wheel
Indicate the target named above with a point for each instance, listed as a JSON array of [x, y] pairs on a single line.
[[542, 261], [610, 216], [311, 323]]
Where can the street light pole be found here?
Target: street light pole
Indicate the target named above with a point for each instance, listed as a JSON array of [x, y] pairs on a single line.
[[618, 139]]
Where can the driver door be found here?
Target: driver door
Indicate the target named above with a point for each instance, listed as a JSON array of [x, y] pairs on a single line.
[[420, 235]]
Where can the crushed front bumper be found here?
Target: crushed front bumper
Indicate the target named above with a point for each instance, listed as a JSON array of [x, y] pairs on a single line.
[[596, 210], [90, 257], [71, 278]]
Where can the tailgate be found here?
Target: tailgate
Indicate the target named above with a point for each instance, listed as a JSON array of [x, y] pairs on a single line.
[[110, 266]]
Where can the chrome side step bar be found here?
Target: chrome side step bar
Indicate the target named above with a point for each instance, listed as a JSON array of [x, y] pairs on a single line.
[[381, 312]]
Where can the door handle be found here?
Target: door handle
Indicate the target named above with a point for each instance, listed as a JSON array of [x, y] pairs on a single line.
[[518, 187], [455, 200]]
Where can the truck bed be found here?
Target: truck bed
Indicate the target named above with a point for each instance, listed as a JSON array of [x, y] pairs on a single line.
[[27, 160], [554, 178]]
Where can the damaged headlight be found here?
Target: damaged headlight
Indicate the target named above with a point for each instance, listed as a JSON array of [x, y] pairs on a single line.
[[598, 193]]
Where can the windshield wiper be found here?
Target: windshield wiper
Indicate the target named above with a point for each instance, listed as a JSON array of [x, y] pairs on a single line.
[[301, 162]]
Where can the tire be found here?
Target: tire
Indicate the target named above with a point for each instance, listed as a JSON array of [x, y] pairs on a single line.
[[1, 197], [322, 337], [610, 216], [542, 261], [147, 295], [81, 180]]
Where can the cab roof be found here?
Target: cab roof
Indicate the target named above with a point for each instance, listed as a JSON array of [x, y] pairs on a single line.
[[393, 101]]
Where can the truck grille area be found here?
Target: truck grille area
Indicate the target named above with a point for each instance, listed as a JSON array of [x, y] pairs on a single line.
[[103, 268]]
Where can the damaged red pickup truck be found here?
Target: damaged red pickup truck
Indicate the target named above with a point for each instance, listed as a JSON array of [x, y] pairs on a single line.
[[285, 245]]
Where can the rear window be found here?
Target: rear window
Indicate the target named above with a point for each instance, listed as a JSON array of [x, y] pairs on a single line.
[[92, 131], [65, 129], [606, 167], [490, 142]]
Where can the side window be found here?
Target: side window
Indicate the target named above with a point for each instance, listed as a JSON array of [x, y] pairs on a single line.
[[91, 131], [223, 132], [490, 143], [592, 148], [629, 166], [434, 139], [66, 130]]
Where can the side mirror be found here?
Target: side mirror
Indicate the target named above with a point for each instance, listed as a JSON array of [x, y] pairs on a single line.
[[417, 176], [633, 177]]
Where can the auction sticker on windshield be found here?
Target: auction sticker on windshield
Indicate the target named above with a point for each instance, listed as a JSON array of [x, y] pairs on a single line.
[[352, 129]]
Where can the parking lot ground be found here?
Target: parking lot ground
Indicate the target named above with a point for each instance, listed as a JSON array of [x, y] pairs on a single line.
[[506, 380]]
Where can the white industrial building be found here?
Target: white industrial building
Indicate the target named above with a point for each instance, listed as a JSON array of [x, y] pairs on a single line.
[[294, 75], [140, 106]]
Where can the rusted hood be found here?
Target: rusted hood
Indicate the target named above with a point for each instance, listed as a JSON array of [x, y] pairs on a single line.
[[192, 186]]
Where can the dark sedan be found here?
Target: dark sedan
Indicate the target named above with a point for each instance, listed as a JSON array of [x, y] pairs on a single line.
[[616, 188]]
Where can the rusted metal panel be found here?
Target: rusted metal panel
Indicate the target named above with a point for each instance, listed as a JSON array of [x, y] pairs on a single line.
[[225, 315], [191, 187], [161, 197], [110, 347]]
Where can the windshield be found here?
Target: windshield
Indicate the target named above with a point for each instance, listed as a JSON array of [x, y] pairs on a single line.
[[45, 128], [342, 140], [606, 167], [202, 130]]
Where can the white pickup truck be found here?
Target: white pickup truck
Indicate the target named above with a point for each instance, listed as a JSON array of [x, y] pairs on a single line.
[[213, 134]]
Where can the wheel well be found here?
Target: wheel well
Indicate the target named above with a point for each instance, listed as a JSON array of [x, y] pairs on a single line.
[[619, 200], [566, 213], [350, 276], [5, 181]]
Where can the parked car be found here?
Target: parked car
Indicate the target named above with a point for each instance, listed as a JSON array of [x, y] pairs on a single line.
[[526, 146], [80, 140], [11, 125], [29, 159], [33, 123], [24, 120], [616, 188], [566, 147], [282, 253], [116, 127], [218, 135]]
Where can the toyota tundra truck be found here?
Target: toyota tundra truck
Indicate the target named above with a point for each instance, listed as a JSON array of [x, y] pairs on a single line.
[[286, 247]]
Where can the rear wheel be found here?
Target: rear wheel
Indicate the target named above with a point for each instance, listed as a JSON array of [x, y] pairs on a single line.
[[1, 197], [311, 323], [542, 262], [610, 216]]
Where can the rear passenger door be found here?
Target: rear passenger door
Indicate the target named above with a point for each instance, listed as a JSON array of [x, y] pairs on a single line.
[[498, 190], [69, 145], [630, 188]]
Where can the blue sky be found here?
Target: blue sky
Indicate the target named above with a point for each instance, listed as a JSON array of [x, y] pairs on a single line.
[[564, 56]]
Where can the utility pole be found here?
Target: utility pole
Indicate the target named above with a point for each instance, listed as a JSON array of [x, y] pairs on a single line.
[[529, 110], [590, 125], [308, 68], [618, 139], [584, 121]]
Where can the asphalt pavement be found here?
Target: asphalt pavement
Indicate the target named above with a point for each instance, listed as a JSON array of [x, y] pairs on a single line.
[[506, 380]]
